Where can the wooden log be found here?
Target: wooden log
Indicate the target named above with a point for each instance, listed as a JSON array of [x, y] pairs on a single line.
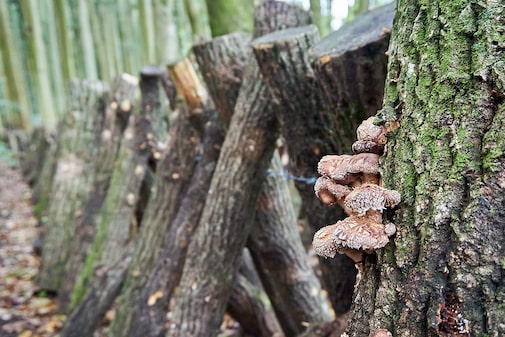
[[200, 301], [278, 219], [172, 180], [117, 109], [86, 317], [350, 68], [308, 129], [222, 61], [281, 260], [72, 181], [247, 305], [118, 215]]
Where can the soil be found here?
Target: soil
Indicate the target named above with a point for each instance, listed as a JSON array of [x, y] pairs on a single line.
[[24, 311]]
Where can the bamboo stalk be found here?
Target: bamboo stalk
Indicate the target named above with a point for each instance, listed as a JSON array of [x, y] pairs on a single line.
[[199, 19], [56, 70], [86, 39], [147, 24], [16, 88], [63, 18]]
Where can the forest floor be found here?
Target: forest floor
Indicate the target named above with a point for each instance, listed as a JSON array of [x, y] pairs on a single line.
[[24, 311]]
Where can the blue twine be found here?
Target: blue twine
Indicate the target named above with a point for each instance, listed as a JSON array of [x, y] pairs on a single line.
[[287, 176]]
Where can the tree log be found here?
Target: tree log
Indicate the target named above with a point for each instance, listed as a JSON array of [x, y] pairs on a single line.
[[308, 128], [213, 253], [172, 178], [85, 319], [117, 108], [72, 180], [251, 308], [146, 317], [118, 215], [350, 68], [281, 259]]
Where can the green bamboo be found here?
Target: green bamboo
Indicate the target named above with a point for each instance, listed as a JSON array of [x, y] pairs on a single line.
[[16, 86], [174, 31], [128, 21], [64, 30], [199, 20], [86, 39], [40, 71], [228, 16], [147, 25], [58, 83]]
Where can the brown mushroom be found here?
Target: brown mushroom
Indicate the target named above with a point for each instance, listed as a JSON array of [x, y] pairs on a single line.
[[329, 192], [323, 243], [371, 197], [346, 169], [360, 233], [371, 137]]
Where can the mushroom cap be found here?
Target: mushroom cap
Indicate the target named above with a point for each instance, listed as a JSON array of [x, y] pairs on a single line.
[[371, 197], [329, 192], [346, 168], [368, 131], [360, 233], [323, 243]]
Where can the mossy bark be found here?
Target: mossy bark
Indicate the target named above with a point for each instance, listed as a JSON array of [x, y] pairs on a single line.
[[443, 274]]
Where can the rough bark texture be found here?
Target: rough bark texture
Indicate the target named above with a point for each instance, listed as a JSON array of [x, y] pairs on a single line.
[[117, 110], [173, 175], [351, 69], [200, 301], [72, 180], [222, 61], [249, 305], [167, 269], [443, 274], [85, 319], [118, 223], [281, 259]]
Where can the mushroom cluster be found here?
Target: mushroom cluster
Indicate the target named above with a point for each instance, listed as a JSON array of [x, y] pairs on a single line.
[[352, 181]]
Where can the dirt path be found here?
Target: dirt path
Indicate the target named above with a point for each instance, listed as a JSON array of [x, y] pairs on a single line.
[[23, 312]]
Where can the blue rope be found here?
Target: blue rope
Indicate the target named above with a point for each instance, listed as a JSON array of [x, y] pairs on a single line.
[[287, 176]]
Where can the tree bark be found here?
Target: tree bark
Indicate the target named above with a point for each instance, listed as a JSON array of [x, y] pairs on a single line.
[[200, 301], [72, 180], [172, 178], [281, 260], [443, 274], [249, 305], [85, 319], [117, 110], [221, 62]]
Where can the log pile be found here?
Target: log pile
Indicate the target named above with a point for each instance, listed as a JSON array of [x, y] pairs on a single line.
[[175, 227]]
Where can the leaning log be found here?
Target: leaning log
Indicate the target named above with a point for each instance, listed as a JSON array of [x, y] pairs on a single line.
[[118, 215], [275, 231], [158, 243], [117, 109], [213, 254], [308, 128], [72, 181]]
